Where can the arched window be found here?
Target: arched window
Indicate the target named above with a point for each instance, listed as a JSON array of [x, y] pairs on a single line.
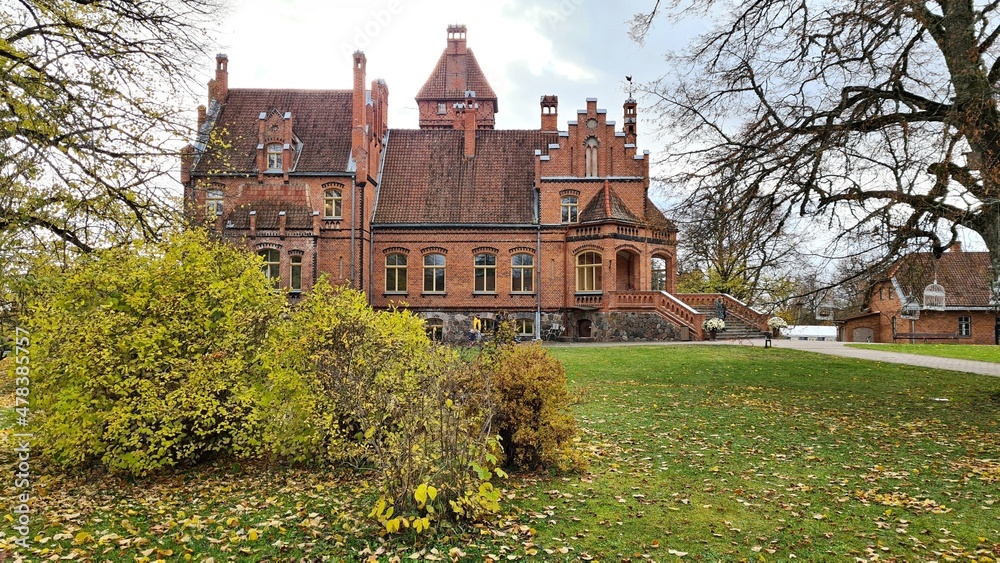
[[213, 203], [486, 273], [333, 204], [588, 271], [570, 209], [591, 148], [435, 329], [395, 273], [295, 274], [272, 265], [659, 270], [274, 152], [434, 273], [522, 273]]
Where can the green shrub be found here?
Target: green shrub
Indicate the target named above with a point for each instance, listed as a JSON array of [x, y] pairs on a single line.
[[140, 356], [347, 384], [532, 407]]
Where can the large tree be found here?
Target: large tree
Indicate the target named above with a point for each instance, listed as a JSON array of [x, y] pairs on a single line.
[[879, 115], [91, 100]]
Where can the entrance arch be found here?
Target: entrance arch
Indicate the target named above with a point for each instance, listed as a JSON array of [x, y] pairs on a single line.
[[626, 270]]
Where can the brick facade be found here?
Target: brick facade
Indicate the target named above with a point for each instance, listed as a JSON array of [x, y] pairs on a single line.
[[968, 316], [554, 228]]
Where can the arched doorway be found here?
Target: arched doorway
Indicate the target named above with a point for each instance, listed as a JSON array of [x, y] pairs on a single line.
[[626, 270]]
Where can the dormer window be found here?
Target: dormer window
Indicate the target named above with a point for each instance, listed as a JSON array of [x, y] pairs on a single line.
[[274, 154]]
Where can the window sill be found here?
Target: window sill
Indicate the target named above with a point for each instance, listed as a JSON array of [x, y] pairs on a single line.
[[333, 218], [585, 293]]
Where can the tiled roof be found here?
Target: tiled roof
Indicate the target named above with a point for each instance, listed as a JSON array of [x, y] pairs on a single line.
[[965, 276], [656, 219], [605, 206], [321, 119], [466, 70], [297, 216], [427, 179]]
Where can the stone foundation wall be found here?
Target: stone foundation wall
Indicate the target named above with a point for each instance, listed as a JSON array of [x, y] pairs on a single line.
[[605, 327]]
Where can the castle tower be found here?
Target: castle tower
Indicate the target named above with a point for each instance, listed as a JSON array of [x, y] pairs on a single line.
[[455, 73]]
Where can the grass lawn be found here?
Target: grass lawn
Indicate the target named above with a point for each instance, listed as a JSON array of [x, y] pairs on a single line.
[[958, 351], [696, 452]]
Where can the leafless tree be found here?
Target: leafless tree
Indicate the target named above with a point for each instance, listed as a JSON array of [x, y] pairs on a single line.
[[90, 110], [880, 116]]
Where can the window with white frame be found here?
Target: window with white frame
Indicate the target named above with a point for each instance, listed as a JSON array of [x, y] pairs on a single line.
[[213, 203], [272, 265], [486, 273], [522, 273], [333, 204], [570, 207], [274, 156], [965, 326], [434, 273], [295, 274], [588, 271]]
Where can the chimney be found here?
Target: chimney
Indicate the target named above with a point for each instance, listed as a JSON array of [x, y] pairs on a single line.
[[359, 126], [282, 222], [456, 40], [630, 120], [202, 117], [218, 89], [550, 115], [187, 161], [316, 223], [253, 223], [469, 123], [955, 246]]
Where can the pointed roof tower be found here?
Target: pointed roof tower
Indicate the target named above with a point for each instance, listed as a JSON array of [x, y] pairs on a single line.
[[456, 75]]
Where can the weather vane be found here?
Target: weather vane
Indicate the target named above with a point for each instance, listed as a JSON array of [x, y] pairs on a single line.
[[629, 78]]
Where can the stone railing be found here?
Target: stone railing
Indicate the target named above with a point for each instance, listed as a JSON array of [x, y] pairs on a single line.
[[734, 307], [668, 306], [589, 301]]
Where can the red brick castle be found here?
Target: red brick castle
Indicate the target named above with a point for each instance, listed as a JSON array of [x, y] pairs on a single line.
[[456, 219]]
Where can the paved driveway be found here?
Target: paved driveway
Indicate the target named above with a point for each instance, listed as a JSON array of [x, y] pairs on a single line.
[[839, 349]]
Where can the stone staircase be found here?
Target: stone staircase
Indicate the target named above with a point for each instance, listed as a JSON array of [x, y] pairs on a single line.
[[736, 328]]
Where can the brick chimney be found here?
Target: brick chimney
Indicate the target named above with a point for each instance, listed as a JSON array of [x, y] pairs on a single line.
[[218, 88], [467, 114], [202, 117], [550, 113], [359, 113], [456, 39], [187, 161]]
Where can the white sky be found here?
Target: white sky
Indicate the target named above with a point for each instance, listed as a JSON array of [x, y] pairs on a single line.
[[575, 49]]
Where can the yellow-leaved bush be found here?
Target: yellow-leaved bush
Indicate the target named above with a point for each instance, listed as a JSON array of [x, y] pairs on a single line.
[[347, 383], [140, 355]]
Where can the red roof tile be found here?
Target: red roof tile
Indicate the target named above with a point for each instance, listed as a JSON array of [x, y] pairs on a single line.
[[607, 206], [297, 216], [427, 179], [965, 276], [465, 69], [321, 119]]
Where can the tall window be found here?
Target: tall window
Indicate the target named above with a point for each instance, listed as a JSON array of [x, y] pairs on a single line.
[[442, 108], [965, 326], [395, 273], [591, 148], [272, 265], [333, 203], [659, 274], [435, 329], [213, 203], [486, 273], [570, 209], [588, 271], [295, 273], [274, 156], [434, 273], [522, 273]]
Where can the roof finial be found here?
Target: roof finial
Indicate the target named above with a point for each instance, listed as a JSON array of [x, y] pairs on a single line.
[[630, 85]]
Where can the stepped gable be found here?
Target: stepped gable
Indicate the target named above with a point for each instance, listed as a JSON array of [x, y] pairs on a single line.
[[428, 179], [321, 120]]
